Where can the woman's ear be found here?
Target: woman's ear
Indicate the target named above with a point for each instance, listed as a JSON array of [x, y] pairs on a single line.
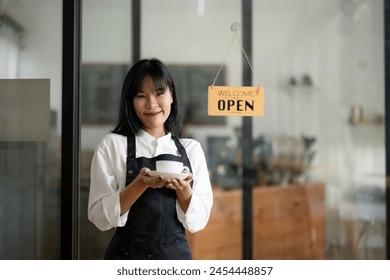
[[170, 91]]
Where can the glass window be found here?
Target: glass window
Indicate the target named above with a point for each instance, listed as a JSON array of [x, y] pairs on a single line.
[[318, 152], [30, 142], [106, 52], [322, 65]]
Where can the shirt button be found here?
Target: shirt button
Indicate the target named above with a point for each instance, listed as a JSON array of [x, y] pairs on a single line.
[[130, 171]]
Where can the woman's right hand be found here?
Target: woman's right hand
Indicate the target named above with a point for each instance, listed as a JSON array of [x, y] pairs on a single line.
[[151, 181]]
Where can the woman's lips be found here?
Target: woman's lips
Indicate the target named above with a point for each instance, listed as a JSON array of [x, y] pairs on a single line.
[[152, 114]]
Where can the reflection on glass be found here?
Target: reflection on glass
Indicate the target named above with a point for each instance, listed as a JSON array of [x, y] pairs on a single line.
[[30, 48], [340, 106]]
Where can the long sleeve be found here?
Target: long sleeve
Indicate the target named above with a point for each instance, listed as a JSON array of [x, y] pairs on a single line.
[[198, 212], [104, 206]]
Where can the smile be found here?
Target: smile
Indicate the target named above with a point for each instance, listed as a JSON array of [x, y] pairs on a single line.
[[152, 114]]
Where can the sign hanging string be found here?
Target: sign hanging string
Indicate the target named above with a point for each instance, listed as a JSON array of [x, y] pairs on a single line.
[[235, 29]]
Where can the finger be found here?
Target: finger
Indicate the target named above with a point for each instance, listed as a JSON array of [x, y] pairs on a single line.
[[144, 171], [189, 175], [170, 184], [189, 178], [158, 184], [179, 184]]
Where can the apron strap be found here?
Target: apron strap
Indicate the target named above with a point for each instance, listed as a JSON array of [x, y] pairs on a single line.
[[130, 160], [183, 154], [131, 146]]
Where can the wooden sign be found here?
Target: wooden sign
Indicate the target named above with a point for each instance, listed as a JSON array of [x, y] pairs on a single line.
[[235, 101]]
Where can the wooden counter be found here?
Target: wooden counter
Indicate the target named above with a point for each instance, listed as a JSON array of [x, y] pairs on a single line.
[[288, 223]]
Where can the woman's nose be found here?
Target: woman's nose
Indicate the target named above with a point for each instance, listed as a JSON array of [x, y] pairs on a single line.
[[152, 101]]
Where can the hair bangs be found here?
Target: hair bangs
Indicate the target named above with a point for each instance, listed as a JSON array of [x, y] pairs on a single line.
[[161, 79]]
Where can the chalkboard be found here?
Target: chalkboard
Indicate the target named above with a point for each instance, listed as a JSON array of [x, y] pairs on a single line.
[[192, 83], [101, 86]]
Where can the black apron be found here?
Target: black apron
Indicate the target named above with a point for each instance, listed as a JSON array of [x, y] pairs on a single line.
[[152, 230]]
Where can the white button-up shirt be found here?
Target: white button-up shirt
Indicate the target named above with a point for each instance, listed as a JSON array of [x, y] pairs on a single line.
[[108, 178]]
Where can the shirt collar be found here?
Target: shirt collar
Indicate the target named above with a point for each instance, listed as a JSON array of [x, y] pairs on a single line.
[[150, 139]]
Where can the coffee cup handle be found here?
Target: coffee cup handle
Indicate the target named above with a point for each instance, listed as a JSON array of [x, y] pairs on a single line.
[[185, 170]]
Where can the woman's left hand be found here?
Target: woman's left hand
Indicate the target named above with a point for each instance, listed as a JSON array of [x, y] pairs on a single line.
[[179, 184]]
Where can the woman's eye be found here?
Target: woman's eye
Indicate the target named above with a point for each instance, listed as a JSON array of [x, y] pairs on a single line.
[[160, 92], [140, 95]]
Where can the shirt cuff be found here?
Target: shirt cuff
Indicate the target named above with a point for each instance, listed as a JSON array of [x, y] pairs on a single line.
[[114, 217], [191, 220]]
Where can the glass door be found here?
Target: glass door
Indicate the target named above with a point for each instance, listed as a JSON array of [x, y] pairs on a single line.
[[323, 69], [30, 140], [106, 52], [318, 153]]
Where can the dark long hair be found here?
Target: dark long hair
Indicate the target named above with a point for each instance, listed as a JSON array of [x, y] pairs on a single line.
[[128, 122]]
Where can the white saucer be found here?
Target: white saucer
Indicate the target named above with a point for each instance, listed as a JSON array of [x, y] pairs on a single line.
[[167, 175]]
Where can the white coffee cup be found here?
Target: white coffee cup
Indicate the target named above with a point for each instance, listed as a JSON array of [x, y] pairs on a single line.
[[170, 166]]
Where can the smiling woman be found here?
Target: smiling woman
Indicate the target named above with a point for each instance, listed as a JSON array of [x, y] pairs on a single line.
[[153, 107], [150, 89], [124, 194]]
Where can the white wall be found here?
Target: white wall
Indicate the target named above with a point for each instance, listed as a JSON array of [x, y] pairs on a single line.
[[183, 35], [344, 55], [106, 31], [106, 38], [41, 55]]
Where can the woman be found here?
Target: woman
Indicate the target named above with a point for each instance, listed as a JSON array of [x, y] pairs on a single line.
[[149, 213]]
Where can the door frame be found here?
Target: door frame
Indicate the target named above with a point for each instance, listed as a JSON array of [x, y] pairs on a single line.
[[70, 147], [387, 118]]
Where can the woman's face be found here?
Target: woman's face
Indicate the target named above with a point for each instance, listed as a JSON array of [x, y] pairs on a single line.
[[153, 106]]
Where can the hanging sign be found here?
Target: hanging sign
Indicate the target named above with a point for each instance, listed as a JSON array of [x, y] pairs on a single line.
[[235, 101]]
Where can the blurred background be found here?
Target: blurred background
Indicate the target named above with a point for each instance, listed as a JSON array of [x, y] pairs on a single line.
[[319, 149]]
